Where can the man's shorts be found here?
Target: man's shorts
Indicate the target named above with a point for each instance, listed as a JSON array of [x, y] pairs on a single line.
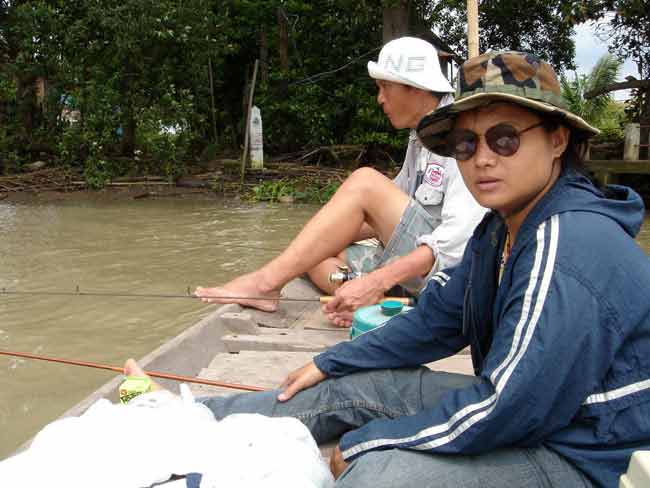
[[415, 221]]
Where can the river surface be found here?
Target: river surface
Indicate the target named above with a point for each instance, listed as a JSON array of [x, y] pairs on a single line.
[[138, 246]]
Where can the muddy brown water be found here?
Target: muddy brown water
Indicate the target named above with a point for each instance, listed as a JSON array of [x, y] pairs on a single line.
[[136, 246], [156, 246]]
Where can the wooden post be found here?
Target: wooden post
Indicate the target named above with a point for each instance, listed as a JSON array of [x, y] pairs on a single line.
[[283, 47], [214, 112], [395, 20], [264, 57], [283, 44], [632, 141], [472, 28], [244, 155], [644, 121]]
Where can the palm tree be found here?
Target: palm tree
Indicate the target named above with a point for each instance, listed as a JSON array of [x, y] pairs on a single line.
[[593, 110]]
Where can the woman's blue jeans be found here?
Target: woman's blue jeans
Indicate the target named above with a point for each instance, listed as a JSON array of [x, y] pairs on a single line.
[[338, 405]]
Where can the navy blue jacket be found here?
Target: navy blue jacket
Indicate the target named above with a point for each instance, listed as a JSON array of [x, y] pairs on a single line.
[[561, 344]]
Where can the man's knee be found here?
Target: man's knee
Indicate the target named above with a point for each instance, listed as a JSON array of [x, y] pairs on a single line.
[[364, 179], [366, 173]]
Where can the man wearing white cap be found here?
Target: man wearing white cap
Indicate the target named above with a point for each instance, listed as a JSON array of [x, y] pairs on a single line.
[[422, 219]]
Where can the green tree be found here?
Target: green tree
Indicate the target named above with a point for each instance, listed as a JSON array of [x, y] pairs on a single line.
[[625, 26], [593, 110], [129, 59], [135, 68], [535, 26]]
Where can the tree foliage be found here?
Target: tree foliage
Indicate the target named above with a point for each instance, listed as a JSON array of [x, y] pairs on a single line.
[[535, 26], [593, 110], [625, 26], [137, 74]]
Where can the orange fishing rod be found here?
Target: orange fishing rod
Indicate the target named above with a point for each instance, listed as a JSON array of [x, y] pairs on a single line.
[[154, 374]]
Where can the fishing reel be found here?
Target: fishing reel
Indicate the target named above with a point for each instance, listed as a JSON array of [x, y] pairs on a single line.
[[343, 274]]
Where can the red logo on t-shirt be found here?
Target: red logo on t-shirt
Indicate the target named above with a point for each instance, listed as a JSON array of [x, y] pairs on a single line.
[[434, 174]]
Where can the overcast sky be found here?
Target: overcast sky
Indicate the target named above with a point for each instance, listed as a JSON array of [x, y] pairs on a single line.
[[589, 49]]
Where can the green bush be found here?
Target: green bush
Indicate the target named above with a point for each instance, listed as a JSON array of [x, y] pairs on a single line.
[[9, 159], [97, 172], [310, 115], [300, 189], [317, 192], [271, 191]]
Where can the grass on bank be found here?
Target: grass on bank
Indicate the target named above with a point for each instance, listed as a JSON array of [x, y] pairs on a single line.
[[300, 189]]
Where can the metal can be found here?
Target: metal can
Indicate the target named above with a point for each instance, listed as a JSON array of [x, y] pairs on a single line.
[[133, 386]]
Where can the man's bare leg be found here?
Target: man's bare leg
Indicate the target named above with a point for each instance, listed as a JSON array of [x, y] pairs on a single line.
[[319, 275], [366, 196]]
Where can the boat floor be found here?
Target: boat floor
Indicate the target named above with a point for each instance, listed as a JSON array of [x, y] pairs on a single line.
[[263, 348]]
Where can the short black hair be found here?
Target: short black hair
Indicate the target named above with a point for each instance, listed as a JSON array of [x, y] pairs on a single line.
[[438, 95], [574, 155]]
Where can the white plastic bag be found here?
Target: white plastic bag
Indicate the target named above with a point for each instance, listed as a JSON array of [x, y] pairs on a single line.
[[157, 435]]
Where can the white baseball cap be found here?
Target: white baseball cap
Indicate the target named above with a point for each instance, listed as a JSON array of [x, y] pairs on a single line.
[[410, 61]]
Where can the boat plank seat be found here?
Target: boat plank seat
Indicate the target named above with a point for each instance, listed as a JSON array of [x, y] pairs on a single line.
[[282, 340]]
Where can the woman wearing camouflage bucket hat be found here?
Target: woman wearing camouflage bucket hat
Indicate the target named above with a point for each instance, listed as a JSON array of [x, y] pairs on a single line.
[[555, 289], [551, 295]]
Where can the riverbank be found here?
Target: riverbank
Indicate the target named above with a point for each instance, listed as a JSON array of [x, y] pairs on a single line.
[[110, 194], [278, 181]]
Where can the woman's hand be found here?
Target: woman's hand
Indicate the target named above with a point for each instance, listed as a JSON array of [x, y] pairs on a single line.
[[300, 379], [337, 464]]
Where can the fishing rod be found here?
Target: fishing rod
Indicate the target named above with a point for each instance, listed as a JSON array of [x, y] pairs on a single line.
[[254, 248], [153, 374], [78, 293]]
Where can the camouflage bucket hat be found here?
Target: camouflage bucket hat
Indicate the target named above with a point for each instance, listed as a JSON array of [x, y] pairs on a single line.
[[510, 76]]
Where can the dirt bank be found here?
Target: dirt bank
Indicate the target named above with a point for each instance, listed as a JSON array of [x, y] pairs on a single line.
[[109, 194], [61, 184]]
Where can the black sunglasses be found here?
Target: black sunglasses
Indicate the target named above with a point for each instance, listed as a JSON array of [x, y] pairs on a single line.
[[462, 144]]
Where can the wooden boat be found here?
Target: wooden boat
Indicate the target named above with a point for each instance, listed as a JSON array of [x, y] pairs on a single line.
[[249, 347], [231, 335]]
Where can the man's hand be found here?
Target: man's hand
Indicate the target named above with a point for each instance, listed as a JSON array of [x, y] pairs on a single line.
[[300, 379], [337, 464], [369, 289], [359, 292]]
